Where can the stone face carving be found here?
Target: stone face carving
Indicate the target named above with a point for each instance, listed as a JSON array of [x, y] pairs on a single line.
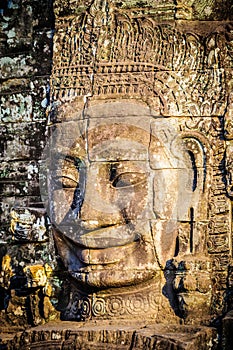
[[138, 168], [120, 184], [128, 188]]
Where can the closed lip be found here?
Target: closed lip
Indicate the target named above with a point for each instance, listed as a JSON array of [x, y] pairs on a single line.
[[103, 246], [103, 238], [105, 256]]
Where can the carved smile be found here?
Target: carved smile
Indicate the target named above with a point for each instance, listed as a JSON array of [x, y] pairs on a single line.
[[105, 256], [110, 236], [105, 245]]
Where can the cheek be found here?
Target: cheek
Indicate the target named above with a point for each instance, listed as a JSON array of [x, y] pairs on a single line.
[[134, 200], [165, 193], [60, 204], [164, 234], [69, 196]]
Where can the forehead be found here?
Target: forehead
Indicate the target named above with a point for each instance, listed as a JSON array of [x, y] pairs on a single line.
[[119, 131], [105, 140]]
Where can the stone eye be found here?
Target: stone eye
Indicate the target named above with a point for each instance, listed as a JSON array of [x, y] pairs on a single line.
[[70, 173], [64, 182], [128, 179], [68, 182]]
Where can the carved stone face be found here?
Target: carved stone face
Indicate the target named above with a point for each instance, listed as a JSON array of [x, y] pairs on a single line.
[[113, 196]]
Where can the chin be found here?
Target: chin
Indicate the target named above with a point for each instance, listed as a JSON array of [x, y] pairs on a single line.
[[112, 267], [136, 268], [106, 278]]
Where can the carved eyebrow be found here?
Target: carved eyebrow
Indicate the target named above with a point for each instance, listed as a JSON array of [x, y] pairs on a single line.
[[64, 156], [70, 158], [135, 178], [75, 160]]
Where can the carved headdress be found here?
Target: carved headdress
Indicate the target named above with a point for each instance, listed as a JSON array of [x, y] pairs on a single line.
[[111, 52]]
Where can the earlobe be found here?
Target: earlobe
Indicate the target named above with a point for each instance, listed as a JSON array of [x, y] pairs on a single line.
[[193, 200], [198, 151]]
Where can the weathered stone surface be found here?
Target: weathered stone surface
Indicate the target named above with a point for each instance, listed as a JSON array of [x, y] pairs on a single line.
[[26, 34], [135, 336], [227, 331], [133, 115]]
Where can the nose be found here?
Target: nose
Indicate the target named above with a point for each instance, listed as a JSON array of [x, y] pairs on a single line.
[[92, 218], [99, 207]]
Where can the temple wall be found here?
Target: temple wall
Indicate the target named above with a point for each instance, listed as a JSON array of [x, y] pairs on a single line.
[[63, 59], [26, 60]]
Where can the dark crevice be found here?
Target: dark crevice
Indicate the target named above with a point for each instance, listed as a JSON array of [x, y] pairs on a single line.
[[131, 347], [191, 229], [177, 247], [194, 186]]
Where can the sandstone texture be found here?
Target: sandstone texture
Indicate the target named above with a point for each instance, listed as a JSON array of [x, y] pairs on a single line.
[[116, 174]]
